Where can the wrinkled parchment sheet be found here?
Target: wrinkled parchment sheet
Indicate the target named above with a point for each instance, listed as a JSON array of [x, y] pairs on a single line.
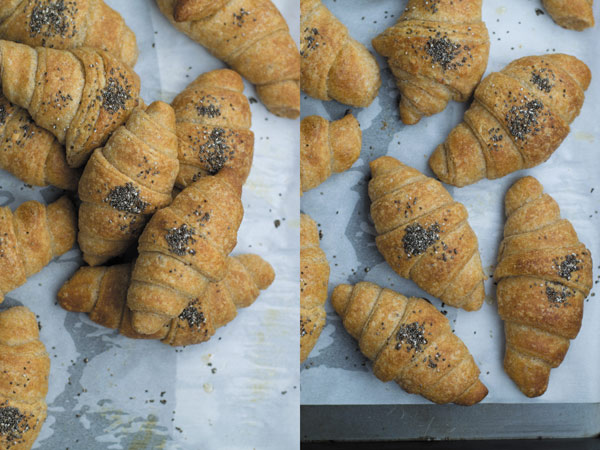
[[336, 372], [241, 389]]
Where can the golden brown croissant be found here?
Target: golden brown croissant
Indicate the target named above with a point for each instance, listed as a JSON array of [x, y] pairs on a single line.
[[213, 126], [126, 181], [25, 367], [410, 342], [333, 65], [327, 147], [544, 274], [314, 276], [30, 237], [571, 14], [424, 235], [519, 117], [30, 152], [68, 24], [252, 37], [183, 248], [438, 51], [81, 96], [102, 292]]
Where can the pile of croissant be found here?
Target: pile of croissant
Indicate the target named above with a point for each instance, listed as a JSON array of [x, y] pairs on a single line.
[[437, 52]]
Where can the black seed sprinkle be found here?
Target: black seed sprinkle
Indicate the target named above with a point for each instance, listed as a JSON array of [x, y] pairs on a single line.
[[565, 268], [539, 12], [557, 293], [303, 331], [311, 40], [443, 52], [50, 18], [522, 119], [206, 107], [238, 19], [114, 96], [193, 317], [126, 198], [179, 238], [3, 115], [417, 239], [413, 335], [431, 5], [215, 152], [12, 423], [543, 84]]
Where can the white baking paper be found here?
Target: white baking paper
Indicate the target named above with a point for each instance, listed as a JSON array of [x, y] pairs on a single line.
[[337, 373], [109, 392]]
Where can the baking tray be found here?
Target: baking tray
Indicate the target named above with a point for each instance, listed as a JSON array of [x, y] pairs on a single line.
[[341, 399]]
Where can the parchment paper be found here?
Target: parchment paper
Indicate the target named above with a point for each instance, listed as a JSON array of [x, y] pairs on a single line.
[[337, 373], [240, 389]]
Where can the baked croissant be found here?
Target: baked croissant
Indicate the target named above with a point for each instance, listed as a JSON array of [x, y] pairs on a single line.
[[410, 342], [30, 152], [519, 117], [438, 51], [333, 65], [81, 96], [126, 181], [70, 24], [252, 37], [102, 292], [213, 126], [424, 235], [314, 277], [544, 274], [327, 147], [571, 14], [25, 367], [183, 248], [30, 237]]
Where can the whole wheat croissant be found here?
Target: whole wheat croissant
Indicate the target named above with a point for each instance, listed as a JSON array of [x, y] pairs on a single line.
[[544, 274], [68, 24], [30, 152], [102, 292], [333, 65], [213, 126], [571, 14], [519, 117], [183, 248], [25, 367], [327, 147], [81, 96], [30, 237], [314, 276], [252, 37], [438, 51], [126, 181], [410, 342], [424, 235]]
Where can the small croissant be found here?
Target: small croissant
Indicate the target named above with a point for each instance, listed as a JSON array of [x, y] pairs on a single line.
[[571, 14], [327, 147], [25, 366], [102, 293], [544, 274], [424, 235], [409, 342], [518, 118]]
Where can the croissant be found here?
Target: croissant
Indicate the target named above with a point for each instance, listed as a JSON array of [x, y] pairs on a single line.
[[126, 181], [424, 235], [183, 248], [213, 126], [81, 96], [30, 152], [252, 37], [410, 342], [327, 147], [518, 119], [572, 14], [314, 276], [102, 293], [333, 66], [25, 367], [68, 24], [438, 51], [544, 274], [30, 237]]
